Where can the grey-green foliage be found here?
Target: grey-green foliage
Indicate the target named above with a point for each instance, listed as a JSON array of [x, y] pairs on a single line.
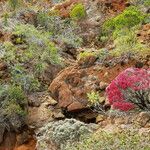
[[28, 57], [21, 77], [62, 30], [19, 74], [39, 45], [13, 103], [61, 132]]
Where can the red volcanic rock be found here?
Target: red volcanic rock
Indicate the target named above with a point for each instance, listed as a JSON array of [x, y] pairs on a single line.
[[75, 106], [71, 86]]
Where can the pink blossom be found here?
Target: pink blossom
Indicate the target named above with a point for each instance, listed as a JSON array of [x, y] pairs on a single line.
[[134, 79], [123, 106]]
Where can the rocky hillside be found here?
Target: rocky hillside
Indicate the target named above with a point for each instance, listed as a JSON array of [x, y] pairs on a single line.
[[74, 74]]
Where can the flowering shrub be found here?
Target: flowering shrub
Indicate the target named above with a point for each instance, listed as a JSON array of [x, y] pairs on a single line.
[[129, 89]]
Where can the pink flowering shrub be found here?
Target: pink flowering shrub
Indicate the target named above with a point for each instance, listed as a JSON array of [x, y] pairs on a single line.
[[129, 89]]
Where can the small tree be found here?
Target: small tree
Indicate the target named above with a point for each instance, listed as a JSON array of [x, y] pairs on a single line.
[[129, 89]]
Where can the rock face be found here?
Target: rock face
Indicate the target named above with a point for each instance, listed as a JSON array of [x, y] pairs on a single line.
[[41, 110], [71, 86]]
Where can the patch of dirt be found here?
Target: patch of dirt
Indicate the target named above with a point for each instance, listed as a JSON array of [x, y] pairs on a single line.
[[31, 145]]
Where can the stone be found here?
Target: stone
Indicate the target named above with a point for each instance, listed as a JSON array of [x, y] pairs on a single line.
[[33, 101], [70, 88], [37, 98], [100, 118], [143, 118], [102, 99], [37, 116], [106, 74], [51, 101], [119, 121], [144, 131], [103, 85], [58, 115], [111, 128], [75, 106]]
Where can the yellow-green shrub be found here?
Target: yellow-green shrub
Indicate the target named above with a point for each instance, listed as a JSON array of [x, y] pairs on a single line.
[[78, 12]]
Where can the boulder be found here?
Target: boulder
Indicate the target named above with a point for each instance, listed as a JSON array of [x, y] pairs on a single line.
[[103, 85], [143, 118], [37, 116], [58, 115], [41, 109], [71, 86]]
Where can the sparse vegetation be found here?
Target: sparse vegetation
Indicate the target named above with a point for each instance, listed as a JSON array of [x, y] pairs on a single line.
[[104, 141], [123, 28], [77, 48], [39, 51]]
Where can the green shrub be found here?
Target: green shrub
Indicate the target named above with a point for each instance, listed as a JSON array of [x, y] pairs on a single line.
[[123, 30], [17, 94], [78, 12], [40, 48], [9, 52], [13, 101], [129, 18], [126, 42], [43, 19]]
